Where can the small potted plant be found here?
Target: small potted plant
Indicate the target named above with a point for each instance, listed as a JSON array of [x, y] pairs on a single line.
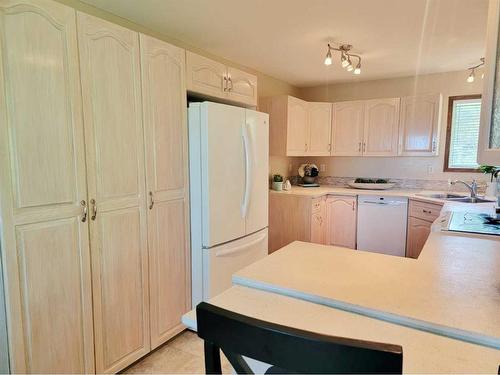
[[277, 182], [493, 172]]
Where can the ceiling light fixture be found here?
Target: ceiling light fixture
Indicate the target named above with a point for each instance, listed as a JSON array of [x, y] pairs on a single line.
[[345, 58], [328, 58], [472, 71], [357, 71], [471, 76]]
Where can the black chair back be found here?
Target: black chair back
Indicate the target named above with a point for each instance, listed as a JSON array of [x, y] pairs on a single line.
[[288, 350]]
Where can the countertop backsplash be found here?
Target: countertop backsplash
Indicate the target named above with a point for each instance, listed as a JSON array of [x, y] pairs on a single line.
[[401, 183]]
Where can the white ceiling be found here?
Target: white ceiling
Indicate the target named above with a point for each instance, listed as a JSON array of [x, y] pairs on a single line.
[[287, 38]]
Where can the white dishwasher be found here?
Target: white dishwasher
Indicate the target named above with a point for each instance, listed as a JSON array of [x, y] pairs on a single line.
[[382, 224]]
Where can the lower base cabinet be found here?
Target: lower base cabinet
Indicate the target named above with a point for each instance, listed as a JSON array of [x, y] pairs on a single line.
[[421, 215], [418, 231], [329, 220], [341, 214]]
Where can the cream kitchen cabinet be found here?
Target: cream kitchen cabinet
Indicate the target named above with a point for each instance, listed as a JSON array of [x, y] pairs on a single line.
[[295, 218], [489, 134], [341, 214], [318, 221], [347, 128], [164, 108], [381, 125], [421, 215], [419, 125], [365, 128], [43, 196], [112, 109], [213, 79], [297, 127], [74, 230], [320, 128]]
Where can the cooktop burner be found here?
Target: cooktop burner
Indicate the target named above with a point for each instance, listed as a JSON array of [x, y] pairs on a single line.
[[474, 223]]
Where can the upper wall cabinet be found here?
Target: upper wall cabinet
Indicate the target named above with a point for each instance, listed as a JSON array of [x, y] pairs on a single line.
[[365, 128], [298, 128], [380, 134], [489, 135], [319, 119], [213, 79], [419, 125], [347, 128]]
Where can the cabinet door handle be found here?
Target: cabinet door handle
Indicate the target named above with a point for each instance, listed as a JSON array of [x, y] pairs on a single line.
[[84, 211], [427, 212], [94, 209], [151, 200], [364, 146], [230, 81], [359, 147], [329, 147], [306, 147], [434, 145], [224, 83], [353, 206]]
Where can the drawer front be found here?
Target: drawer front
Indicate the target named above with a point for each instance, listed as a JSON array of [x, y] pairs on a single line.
[[425, 211], [316, 205]]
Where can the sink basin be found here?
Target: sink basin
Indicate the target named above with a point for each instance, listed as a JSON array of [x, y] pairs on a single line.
[[442, 195], [469, 200]]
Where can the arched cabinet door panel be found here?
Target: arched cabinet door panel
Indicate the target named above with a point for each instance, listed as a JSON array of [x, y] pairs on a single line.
[[164, 107], [205, 76], [347, 128], [381, 127], [419, 125], [44, 234], [114, 139]]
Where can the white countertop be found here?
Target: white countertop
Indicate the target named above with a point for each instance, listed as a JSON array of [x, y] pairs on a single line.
[[453, 289], [422, 352], [418, 194]]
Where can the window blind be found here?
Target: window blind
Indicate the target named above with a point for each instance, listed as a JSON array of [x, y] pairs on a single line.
[[464, 133]]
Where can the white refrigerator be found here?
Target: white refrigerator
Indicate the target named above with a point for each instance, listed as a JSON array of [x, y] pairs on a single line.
[[228, 167]]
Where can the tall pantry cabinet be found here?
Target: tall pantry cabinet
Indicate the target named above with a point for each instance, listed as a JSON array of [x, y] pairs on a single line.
[[112, 109], [93, 191], [43, 191], [165, 126]]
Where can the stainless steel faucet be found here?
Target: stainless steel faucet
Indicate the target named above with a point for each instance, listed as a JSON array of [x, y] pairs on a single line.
[[472, 187]]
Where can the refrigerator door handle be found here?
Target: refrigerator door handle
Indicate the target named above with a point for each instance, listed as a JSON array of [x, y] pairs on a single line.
[[248, 170], [241, 248]]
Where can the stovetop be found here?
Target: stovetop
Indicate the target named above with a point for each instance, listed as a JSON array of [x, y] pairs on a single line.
[[472, 222]]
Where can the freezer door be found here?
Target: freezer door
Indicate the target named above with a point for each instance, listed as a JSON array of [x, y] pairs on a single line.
[[223, 172], [221, 262], [257, 171]]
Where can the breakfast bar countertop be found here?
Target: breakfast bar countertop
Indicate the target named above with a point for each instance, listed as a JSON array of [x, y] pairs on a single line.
[[453, 290], [423, 352]]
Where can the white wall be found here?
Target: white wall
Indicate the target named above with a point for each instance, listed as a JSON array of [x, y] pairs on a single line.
[[448, 84]]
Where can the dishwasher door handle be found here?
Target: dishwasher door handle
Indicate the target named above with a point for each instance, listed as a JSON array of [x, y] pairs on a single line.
[[385, 203]]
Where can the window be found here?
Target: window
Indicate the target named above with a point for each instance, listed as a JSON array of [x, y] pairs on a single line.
[[462, 133]]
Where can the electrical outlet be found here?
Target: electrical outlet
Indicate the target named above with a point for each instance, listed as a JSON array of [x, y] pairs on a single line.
[[322, 168], [430, 169]]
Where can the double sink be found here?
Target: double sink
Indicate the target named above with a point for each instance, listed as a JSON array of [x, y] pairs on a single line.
[[455, 197]]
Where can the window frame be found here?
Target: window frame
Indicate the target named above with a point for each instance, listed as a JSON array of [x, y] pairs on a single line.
[[449, 124]]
